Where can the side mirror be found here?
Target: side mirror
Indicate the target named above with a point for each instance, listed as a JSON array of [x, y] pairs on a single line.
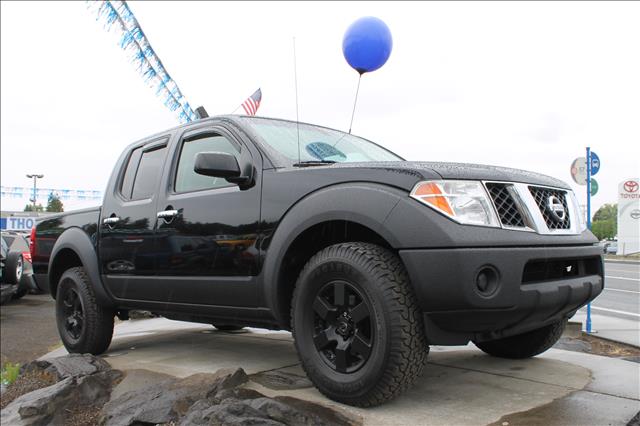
[[217, 164]]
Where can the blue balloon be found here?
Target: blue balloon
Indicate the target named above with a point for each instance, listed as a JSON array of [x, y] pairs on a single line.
[[367, 44]]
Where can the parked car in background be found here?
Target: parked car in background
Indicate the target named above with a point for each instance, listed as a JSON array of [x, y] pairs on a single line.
[[611, 247], [16, 277]]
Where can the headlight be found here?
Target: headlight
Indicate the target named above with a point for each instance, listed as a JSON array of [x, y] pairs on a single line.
[[582, 223], [464, 201]]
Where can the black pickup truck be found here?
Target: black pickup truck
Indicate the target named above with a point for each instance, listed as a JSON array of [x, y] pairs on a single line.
[[367, 258]]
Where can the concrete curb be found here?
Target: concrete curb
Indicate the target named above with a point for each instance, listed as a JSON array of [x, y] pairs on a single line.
[[584, 333], [623, 261]]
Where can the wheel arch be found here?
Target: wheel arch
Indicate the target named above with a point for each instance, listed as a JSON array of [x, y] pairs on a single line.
[[339, 213], [74, 248]]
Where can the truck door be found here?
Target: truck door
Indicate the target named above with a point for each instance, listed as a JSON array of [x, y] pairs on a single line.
[[207, 227], [126, 247]]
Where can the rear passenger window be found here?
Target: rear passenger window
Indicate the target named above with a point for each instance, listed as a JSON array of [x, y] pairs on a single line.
[[130, 173], [186, 179], [149, 171]]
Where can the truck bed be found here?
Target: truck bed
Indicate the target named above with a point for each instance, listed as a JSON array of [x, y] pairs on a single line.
[[48, 231]]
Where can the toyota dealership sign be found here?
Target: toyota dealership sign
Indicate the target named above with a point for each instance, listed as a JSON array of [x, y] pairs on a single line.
[[629, 216]]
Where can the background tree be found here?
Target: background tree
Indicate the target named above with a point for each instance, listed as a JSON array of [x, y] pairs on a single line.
[[54, 204], [605, 222], [606, 212], [29, 208]]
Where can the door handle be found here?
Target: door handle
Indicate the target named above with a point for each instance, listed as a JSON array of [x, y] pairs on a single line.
[[167, 214], [111, 220]]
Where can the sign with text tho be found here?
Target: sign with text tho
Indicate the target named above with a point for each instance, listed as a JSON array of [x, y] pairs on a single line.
[[18, 223]]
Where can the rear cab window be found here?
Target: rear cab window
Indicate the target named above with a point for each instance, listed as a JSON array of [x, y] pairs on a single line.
[[143, 171]]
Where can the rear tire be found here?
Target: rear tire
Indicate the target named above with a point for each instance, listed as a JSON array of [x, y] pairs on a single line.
[[357, 326], [524, 345], [13, 268], [84, 326]]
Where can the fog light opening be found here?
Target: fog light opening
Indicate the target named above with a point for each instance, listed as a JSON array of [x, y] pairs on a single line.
[[487, 281]]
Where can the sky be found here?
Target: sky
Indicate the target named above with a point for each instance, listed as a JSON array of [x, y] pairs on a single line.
[[516, 84]]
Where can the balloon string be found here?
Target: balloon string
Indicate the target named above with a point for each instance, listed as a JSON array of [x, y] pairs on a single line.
[[355, 101], [295, 77]]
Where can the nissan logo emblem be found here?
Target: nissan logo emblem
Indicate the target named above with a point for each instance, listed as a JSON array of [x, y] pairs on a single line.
[[556, 208]]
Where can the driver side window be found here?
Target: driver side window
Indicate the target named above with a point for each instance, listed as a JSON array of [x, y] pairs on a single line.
[[188, 180]]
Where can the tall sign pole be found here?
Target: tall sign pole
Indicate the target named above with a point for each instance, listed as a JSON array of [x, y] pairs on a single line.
[[589, 223]]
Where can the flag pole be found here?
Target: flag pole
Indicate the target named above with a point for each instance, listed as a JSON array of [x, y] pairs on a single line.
[[589, 223]]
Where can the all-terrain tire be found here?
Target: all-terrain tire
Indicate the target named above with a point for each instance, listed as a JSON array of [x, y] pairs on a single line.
[[524, 345], [91, 330], [398, 347]]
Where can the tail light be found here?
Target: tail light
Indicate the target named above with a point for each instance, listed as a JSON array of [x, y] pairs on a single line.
[[26, 256], [32, 244]]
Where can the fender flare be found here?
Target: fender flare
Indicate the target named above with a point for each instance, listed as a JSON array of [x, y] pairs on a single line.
[[367, 204], [76, 240]]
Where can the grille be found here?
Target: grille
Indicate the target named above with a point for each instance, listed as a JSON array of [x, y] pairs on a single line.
[[505, 205], [541, 196]]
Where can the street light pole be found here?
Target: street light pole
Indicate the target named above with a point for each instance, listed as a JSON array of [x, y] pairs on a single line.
[[35, 177]]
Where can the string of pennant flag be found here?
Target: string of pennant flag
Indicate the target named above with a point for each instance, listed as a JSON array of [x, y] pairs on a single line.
[[63, 194], [118, 17]]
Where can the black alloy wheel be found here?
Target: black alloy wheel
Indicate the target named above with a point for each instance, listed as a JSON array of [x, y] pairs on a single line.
[[343, 328], [83, 324], [73, 313], [357, 325]]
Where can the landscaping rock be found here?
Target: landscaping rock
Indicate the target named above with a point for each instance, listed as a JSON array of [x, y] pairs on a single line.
[[39, 406], [257, 409], [229, 412], [72, 365], [327, 414], [166, 402], [281, 380], [139, 379], [47, 405]]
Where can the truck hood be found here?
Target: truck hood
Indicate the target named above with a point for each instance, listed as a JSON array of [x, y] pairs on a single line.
[[434, 170]]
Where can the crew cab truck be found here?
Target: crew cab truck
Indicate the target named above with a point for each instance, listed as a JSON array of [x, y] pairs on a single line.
[[367, 258]]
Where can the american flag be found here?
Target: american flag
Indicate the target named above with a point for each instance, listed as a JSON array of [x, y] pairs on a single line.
[[252, 103]]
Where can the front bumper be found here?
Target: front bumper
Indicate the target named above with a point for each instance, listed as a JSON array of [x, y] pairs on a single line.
[[523, 288]]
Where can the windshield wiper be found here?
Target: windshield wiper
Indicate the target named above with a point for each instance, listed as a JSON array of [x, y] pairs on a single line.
[[313, 163]]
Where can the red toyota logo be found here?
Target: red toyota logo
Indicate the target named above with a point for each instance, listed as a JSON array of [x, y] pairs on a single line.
[[631, 186]]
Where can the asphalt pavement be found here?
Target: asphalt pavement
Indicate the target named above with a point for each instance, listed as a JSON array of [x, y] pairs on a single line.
[[616, 311], [621, 295], [27, 328]]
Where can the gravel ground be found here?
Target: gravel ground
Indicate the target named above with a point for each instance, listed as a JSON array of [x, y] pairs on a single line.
[[24, 384], [27, 328]]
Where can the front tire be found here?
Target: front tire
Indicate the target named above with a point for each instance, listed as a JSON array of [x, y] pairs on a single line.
[[84, 326], [357, 326], [524, 345]]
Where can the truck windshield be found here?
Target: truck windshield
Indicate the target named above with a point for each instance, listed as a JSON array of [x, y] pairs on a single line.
[[317, 144]]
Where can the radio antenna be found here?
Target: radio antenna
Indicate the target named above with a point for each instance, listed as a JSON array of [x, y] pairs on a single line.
[[295, 77]]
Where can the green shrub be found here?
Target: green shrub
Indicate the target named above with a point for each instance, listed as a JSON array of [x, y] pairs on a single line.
[[9, 373]]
